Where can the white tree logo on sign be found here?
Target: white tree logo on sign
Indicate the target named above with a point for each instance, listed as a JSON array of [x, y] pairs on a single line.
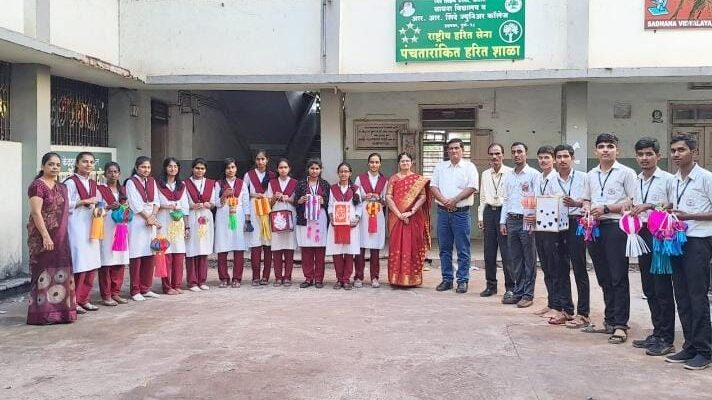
[[513, 6], [510, 31]]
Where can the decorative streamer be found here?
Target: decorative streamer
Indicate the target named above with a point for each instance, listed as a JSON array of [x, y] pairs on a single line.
[[262, 208], [635, 245], [97, 222], [232, 202], [588, 227], [159, 245], [373, 208], [121, 216], [177, 226]]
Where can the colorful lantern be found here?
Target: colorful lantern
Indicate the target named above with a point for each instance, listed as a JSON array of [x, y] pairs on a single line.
[[232, 203], [159, 245], [121, 216], [635, 245], [97, 222]]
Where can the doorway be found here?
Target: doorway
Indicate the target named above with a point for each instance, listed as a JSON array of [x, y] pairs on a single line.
[[696, 120], [159, 132]]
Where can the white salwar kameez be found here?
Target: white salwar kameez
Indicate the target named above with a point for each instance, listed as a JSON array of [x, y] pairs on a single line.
[[164, 218], [254, 238], [283, 240], [140, 234], [110, 257], [226, 239], [354, 247], [196, 245], [86, 253], [372, 240]]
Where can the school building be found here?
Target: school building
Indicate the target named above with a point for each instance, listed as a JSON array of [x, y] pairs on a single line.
[[338, 79]]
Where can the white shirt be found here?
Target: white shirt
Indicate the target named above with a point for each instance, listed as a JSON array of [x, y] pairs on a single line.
[[694, 195], [516, 185], [543, 182], [575, 186], [492, 190], [451, 180], [612, 187], [655, 190]]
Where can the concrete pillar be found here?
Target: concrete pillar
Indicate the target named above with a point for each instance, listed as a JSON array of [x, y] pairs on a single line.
[[30, 86], [577, 34], [37, 19], [332, 133], [574, 120], [331, 36]]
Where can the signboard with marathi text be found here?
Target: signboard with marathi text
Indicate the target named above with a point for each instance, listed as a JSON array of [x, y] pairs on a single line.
[[372, 134], [102, 155], [459, 30], [677, 14]]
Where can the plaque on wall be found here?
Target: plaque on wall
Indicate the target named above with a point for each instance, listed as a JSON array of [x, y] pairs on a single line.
[[382, 134]]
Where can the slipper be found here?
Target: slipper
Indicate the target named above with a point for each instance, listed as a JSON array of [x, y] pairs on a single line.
[[223, 284], [578, 322], [592, 329], [619, 337], [559, 319]]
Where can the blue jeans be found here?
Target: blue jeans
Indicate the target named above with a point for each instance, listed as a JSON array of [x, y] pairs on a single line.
[[454, 227]]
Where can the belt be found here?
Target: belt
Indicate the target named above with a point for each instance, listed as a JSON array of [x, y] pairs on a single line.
[[493, 208], [608, 221], [515, 216], [454, 210]]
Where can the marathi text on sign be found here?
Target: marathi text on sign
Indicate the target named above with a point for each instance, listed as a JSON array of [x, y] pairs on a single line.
[[378, 134]]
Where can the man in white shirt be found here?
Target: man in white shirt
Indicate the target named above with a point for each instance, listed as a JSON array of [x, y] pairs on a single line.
[[653, 190], [572, 185], [488, 215], [691, 198], [610, 191], [520, 238], [453, 185]]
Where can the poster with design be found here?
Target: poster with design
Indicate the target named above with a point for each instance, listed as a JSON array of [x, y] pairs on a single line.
[[342, 213], [677, 14]]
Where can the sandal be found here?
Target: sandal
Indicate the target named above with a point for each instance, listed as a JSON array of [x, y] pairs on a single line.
[[235, 284], [223, 284], [619, 337], [592, 329], [558, 319], [579, 321]]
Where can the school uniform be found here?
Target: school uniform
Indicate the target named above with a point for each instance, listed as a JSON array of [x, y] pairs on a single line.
[[615, 186], [311, 234], [113, 263], [86, 252], [572, 248], [142, 194], [172, 194], [343, 253], [372, 241], [202, 229], [548, 247], [691, 270], [283, 243], [226, 239], [257, 183]]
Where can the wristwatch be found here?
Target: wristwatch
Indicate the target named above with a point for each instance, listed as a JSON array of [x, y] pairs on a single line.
[[606, 210]]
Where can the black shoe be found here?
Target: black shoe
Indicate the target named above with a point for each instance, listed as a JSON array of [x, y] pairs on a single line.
[[681, 356], [660, 348], [507, 295], [319, 285], [305, 284], [443, 286], [488, 292], [338, 285], [698, 363], [347, 286], [645, 343], [461, 287], [511, 299]]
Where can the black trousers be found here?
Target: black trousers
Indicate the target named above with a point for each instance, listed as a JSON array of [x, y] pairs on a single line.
[[691, 280], [611, 266], [658, 290], [493, 240], [573, 256], [549, 251]]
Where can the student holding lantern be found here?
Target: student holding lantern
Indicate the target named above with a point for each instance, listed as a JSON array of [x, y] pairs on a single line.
[[173, 216], [284, 242], [259, 234], [343, 236], [372, 190], [202, 197], [114, 246]]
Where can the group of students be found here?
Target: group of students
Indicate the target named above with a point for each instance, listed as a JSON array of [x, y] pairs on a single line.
[[185, 221], [605, 195]]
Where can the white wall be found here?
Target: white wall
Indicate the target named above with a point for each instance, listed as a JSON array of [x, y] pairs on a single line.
[[617, 39], [12, 16], [529, 114], [368, 40], [13, 220], [235, 37], [89, 27]]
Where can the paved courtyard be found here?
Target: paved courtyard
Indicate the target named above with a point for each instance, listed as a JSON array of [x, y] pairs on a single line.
[[291, 343]]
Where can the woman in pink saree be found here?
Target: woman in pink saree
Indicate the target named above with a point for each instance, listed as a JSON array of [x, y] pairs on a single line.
[[408, 200]]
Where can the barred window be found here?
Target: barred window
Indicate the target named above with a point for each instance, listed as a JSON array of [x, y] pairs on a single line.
[[441, 125], [79, 113], [4, 101]]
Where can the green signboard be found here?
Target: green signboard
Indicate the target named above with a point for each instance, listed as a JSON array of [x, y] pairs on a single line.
[[69, 159], [452, 30]]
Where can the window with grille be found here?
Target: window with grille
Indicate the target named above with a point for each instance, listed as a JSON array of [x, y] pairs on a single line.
[[79, 113], [4, 101], [440, 126]]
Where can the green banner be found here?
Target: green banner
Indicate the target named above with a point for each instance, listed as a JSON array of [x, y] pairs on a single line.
[[69, 159], [459, 30]]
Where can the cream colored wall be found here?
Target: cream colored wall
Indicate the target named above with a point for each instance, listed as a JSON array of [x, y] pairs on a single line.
[[13, 220], [12, 16], [89, 27]]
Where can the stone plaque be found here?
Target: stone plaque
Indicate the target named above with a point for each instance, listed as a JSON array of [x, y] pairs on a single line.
[[378, 134]]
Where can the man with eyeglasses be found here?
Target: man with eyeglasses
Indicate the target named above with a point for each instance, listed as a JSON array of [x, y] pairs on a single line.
[[488, 215], [453, 185]]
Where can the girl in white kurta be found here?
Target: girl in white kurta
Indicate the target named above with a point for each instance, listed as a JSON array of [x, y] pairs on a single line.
[[372, 189], [342, 241], [86, 253], [234, 199], [311, 223], [113, 263], [257, 181], [142, 194], [202, 197], [173, 216], [284, 242]]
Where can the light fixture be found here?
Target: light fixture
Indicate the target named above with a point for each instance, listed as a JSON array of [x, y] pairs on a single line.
[[133, 110]]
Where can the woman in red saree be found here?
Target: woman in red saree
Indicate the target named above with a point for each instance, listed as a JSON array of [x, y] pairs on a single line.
[[52, 298], [408, 199]]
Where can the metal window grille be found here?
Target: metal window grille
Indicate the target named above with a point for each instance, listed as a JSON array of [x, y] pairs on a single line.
[[441, 125], [79, 113], [4, 101]]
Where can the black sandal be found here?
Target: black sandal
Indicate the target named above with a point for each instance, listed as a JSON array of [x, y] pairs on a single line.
[[620, 336]]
